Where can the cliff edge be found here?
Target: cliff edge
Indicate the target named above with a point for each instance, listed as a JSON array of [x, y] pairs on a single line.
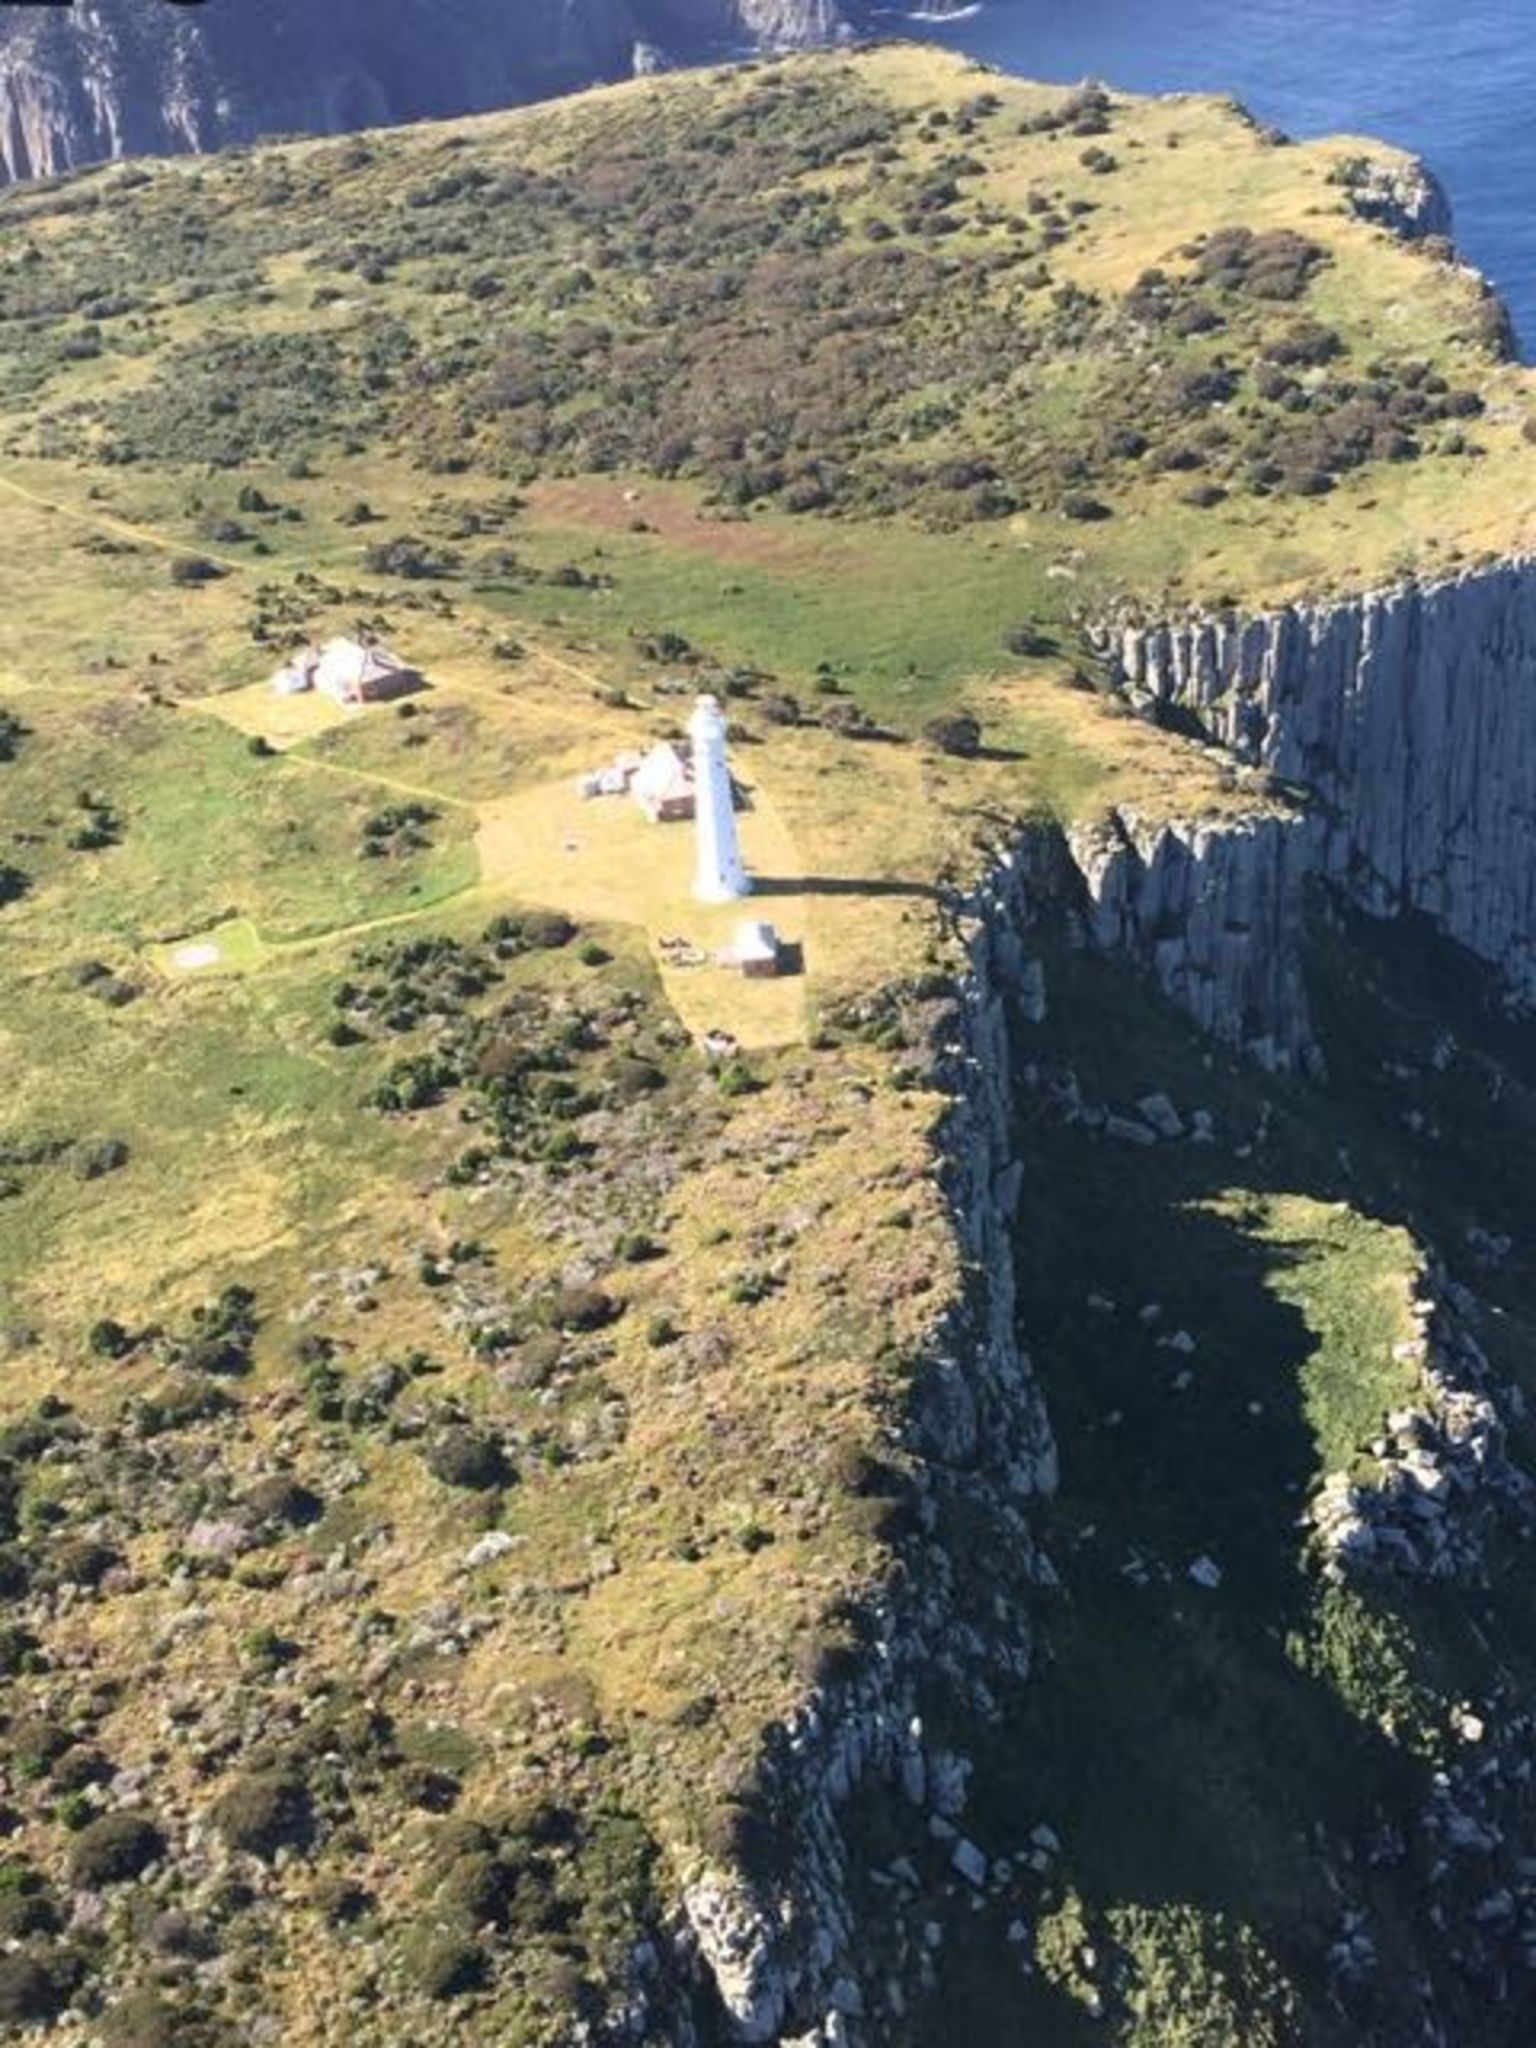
[[138, 78]]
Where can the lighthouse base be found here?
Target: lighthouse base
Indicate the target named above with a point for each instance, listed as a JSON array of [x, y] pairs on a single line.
[[721, 889]]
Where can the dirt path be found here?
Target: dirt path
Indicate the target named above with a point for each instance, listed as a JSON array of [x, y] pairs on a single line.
[[149, 536], [106, 522], [341, 933], [412, 789]]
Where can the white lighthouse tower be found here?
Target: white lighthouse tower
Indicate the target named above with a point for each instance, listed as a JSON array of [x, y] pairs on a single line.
[[719, 875]]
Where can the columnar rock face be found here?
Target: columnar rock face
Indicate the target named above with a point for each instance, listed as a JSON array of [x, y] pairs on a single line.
[[82, 83], [1214, 909], [1409, 719], [1411, 714]]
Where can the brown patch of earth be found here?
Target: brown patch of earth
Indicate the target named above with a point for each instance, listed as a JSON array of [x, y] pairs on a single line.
[[608, 505]]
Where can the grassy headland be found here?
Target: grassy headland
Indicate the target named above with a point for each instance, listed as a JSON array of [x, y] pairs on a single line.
[[432, 1386]]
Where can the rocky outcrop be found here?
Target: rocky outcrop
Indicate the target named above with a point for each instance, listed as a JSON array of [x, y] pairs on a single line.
[[1409, 715], [1396, 192], [1442, 1476], [86, 83]]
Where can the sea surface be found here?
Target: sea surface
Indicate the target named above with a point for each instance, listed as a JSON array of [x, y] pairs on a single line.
[[1453, 80]]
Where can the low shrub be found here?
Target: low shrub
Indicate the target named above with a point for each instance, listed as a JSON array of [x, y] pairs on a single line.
[[34, 1988], [445, 1966], [264, 1811], [955, 732], [187, 571], [115, 1849], [466, 1457], [582, 1308]]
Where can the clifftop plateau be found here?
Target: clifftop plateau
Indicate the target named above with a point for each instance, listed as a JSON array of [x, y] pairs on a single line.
[[554, 1491]]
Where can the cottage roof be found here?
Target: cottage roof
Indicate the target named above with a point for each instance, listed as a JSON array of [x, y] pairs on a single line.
[[665, 773], [349, 664]]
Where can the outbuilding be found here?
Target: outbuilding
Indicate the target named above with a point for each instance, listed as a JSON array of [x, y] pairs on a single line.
[[351, 672], [756, 949], [347, 671], [296, 675]]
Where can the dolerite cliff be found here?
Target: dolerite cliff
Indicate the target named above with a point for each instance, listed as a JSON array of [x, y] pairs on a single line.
[[129, 77], [1212, 908], [1406, 715], [1402, 720], [791, 1955]]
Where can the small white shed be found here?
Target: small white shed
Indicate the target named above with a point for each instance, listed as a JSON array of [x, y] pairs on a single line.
[[756, 948]]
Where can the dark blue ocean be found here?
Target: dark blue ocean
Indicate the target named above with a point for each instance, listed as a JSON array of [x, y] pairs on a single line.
[[1454, 80]]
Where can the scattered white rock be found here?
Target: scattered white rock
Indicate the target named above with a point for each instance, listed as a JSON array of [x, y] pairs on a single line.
[[1206, 1572]]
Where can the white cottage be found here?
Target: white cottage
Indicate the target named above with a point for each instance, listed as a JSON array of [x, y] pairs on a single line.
[[353, 673], [663, 784]]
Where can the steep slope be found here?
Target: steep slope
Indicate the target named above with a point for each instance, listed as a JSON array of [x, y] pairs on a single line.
[[139, 77]]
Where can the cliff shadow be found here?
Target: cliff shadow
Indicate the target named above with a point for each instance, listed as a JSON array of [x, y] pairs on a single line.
[[1221, 1738]]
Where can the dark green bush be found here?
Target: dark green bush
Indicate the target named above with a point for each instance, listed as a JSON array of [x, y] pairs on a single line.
[[282, 1499], [466, 1457], [954, 732], [147, 2019], [109, 1339], [264, 1811], [444, 1966], [189, 570], [34, 1988], [582, 1308], [631, 1077], [115, 1849]]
